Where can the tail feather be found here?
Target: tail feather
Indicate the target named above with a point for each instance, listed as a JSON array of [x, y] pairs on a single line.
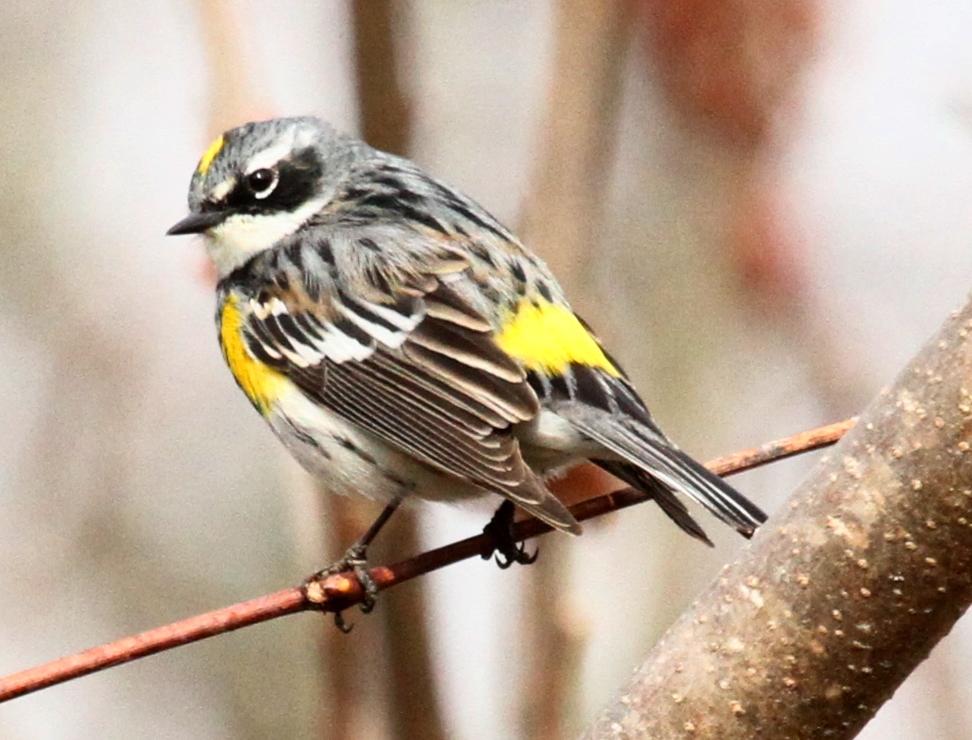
[[740, 512], [663, 496], [656, 456]]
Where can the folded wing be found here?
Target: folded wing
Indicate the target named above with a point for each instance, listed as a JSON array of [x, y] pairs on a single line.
[[422, 373]]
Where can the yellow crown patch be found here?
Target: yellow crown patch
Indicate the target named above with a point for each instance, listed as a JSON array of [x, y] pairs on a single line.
[[209, 155]]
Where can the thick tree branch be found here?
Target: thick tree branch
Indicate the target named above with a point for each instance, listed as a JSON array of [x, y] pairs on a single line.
[[340, 592], [843, 592]]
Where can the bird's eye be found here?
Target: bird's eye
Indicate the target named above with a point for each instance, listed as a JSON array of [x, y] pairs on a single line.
[[261, 182]]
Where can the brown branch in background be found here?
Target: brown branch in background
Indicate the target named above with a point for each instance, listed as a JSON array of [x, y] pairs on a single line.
[[342, 591], [562, 213], [233, 100], [734, 70], [731, 64], [385, 114], [843, 592], [414, 711], [562, 218]]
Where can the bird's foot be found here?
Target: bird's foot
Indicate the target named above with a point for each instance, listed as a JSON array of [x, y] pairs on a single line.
[[506, 548], [354, 561]]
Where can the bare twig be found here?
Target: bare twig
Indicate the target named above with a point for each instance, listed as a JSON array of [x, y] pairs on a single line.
[[153, 641], [781, 449], [843, 592], [342, 591]]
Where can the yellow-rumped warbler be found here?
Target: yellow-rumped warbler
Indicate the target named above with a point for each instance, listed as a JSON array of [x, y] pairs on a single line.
[[398, 339]]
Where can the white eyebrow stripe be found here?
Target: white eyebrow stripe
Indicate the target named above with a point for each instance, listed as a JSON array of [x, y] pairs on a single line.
[[269, 157]]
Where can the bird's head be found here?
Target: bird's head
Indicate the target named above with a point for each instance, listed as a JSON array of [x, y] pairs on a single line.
[[261, 182]]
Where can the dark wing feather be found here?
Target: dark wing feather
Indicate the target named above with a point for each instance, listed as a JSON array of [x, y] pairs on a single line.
[[425, 377]]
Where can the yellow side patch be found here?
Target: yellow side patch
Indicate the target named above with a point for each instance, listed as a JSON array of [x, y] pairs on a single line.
[[261, 384], [209, 155], [548, 337]]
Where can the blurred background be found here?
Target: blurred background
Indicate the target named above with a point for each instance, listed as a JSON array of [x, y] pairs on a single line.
[[763, 207]]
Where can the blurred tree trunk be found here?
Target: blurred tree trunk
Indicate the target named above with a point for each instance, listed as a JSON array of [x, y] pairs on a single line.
[[233, 99], [842, 593], [385, 115], [403, 688], [353, 702], [562, 218]]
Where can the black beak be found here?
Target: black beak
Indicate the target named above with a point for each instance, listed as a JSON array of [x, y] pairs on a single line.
[[197, 223]]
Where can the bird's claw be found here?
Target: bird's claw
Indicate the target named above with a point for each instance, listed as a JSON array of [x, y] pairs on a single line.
[[505, 546], [354, 561], [516, 554]]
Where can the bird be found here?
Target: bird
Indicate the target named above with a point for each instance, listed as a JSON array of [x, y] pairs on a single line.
[[400, 341]]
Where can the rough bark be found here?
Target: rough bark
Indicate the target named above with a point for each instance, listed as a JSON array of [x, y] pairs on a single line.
[[843, 592]]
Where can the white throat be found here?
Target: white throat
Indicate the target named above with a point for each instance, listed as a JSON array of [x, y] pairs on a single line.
[[242, 236]]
